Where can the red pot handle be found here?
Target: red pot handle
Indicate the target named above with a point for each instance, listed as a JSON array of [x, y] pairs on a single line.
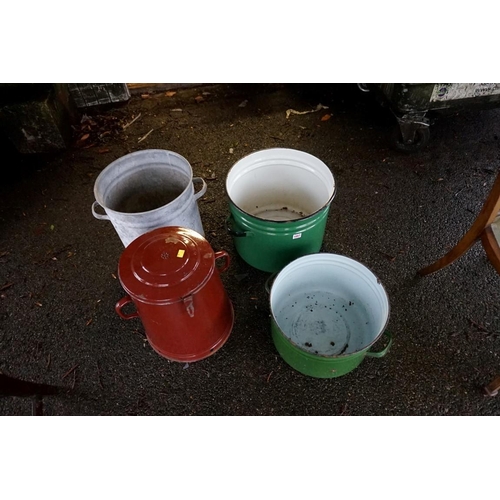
[[120, 304], [224, 254]]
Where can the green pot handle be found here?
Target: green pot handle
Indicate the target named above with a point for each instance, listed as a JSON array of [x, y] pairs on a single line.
[[233, 232], [267, 284], [384, 351]]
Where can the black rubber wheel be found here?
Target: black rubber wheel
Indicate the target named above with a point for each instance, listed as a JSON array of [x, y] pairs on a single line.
[[422, 136]]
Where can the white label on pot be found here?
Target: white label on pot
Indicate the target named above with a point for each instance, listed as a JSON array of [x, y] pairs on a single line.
[[296, 236]]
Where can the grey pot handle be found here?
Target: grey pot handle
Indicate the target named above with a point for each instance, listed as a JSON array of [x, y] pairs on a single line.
[[203, 190], [95, 214]]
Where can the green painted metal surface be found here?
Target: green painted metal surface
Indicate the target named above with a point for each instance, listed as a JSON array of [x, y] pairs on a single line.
[[271, 245], [320, 366]]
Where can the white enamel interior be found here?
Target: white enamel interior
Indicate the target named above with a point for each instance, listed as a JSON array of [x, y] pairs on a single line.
[[280, 184], [329, 304]]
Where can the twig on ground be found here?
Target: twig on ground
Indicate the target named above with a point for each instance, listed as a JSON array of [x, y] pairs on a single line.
[[71, 370], [130, 123]]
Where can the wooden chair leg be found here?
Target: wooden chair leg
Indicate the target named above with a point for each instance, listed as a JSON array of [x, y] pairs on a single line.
[[457, 251], [491, 247], [493, 387], [487, 215]]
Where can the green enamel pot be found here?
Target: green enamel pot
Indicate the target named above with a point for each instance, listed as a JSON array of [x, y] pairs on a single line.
[[327, 313], [279, 200]]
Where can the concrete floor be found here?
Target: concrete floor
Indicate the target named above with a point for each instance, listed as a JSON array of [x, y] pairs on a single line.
[[394, 213]]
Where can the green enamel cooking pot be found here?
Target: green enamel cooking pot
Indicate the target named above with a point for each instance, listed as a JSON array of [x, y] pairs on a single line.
[[279, 200], [327, 312]]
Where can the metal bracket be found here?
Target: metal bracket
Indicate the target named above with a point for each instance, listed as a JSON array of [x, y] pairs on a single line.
[[409, 124]]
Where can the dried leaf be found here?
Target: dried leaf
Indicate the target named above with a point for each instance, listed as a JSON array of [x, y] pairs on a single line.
[[84, 137], [199, 98], [145, 96], [170, 93], [103, 150], [324, 118]]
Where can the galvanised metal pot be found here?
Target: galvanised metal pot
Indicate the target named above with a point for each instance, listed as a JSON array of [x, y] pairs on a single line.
[[327, 312], [171, 277], [279, 201], [146, 190]]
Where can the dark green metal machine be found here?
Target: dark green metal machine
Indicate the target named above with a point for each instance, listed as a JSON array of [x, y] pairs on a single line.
[[410, 103]]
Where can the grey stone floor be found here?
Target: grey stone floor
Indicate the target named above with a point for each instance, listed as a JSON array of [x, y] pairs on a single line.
[[394, 213]]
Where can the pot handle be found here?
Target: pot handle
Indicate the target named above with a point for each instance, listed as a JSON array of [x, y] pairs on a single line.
[[233, 232], [225, 255], [384, 351], [267, 284], [96, 215], [203, 189], [120, 304]]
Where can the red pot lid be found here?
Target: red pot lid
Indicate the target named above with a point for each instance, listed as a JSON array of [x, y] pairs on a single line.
[[166, 265]]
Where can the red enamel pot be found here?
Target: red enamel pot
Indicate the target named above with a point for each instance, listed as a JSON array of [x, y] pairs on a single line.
[[171, 276]]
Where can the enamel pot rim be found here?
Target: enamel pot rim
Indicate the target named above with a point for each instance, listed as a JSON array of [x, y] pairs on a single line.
[[284, 150], [327, 356]]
